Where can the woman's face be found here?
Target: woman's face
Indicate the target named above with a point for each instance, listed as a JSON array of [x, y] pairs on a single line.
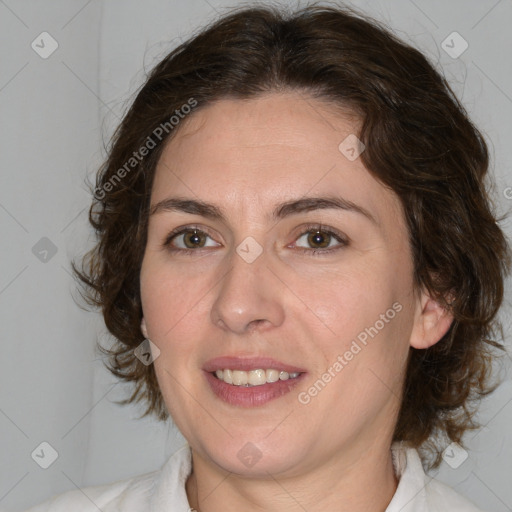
[[248, 285]]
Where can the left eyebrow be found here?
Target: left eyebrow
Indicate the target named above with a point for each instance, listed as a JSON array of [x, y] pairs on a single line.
[[282, 210], [307, 204]]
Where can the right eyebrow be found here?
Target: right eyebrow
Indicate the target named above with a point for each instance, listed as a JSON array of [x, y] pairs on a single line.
[[191, 206]]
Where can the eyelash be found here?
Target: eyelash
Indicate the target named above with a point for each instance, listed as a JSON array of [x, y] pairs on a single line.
[[307, 229]]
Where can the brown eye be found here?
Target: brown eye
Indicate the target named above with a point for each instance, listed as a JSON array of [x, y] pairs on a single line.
[[318, 239], [194, 239], [188, 239]]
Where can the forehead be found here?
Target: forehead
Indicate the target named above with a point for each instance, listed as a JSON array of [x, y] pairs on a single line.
[[265, 150]]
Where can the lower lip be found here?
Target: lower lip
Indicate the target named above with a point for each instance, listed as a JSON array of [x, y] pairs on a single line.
[[251, 396]]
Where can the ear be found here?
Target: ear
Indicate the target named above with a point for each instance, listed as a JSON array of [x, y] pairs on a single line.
[[431, 322], [143, 328]]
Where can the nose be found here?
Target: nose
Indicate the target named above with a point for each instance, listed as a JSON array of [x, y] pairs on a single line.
[[248, 298]]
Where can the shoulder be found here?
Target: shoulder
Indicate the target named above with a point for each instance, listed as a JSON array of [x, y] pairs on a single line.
[[143, 492], [128, 493], [441, 497], [418, 492]]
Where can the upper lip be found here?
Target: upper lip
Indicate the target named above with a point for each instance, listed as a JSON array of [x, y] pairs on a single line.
[[248, 363]]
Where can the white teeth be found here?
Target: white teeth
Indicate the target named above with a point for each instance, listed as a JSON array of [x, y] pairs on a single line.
[[272, 375], [257, 377], [253, 377], [239, 377], [227, 376]]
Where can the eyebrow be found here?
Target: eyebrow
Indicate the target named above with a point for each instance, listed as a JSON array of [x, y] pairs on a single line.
[[282, 210]]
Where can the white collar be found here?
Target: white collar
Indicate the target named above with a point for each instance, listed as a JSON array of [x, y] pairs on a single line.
[[410, 496]]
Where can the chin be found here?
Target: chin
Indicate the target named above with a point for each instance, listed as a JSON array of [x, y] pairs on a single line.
[[257, 459]]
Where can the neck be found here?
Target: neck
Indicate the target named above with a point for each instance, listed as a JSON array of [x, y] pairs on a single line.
[[359, 481]]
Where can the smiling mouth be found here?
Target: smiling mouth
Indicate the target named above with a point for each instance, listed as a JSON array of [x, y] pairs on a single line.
[[253, 378]]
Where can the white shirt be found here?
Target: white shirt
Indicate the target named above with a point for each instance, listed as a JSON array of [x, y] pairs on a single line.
[[164, 490]]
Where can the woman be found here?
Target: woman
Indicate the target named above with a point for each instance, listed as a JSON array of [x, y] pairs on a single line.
[[299, 260]]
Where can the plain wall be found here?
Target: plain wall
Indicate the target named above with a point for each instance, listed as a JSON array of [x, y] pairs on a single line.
[[55, 115]]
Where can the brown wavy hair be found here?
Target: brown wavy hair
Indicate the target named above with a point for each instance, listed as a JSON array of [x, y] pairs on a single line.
[[419, 142]]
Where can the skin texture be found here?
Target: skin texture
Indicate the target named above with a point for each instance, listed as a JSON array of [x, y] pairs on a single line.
[[332, 453]]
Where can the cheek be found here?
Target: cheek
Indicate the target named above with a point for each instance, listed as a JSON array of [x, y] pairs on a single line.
[[169, 300], [171, 305], [348, 301], [363, 315]]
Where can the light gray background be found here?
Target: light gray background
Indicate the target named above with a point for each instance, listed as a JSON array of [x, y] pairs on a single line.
[[55, 115]]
